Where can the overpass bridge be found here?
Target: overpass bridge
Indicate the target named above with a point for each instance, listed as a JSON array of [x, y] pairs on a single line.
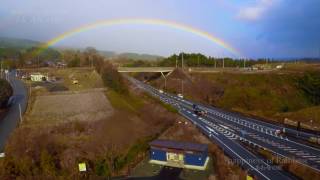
[[146, 69]]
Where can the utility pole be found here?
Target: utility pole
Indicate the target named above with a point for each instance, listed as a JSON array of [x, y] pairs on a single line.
[[165, 81], [20, 113], [215, 63], [176, 62], [1, 69], [182, 88], [198, 60], [223, 63], [244, 63], [91, 61], [38, 63], [182, 62]]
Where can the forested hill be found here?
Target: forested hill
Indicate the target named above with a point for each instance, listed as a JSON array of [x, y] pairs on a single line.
[[6, 42], [130, 56]]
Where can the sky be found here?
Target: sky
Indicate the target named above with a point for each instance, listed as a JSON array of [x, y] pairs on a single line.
[[255, 28]]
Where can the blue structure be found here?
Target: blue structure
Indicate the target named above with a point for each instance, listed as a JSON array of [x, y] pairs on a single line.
[[179, 154]]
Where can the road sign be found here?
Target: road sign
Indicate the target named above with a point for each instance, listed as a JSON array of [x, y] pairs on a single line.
[[82, 167], [249, 177]]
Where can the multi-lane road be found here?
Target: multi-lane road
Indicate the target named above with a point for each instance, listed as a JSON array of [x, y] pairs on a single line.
[[230, 131]]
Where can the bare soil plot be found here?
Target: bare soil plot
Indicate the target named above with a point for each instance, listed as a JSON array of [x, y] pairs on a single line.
[[63, 107]]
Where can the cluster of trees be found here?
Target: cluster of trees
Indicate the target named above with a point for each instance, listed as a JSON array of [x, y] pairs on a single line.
[[12, 57], [34, 57], [138, 63], [111, 77], [200, 60], [196, 60], [87, 57]]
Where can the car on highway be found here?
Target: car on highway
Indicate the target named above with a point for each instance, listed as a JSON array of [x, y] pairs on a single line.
[[198, 111]]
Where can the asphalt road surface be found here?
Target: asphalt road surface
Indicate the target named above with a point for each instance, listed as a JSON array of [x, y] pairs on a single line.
[[12, 118], [230, 131]]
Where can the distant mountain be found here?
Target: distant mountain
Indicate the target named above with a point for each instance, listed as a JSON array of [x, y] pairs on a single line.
[[136, 56], [15, 44], [6, 42], [132, 56], [13, 47], [108, 54]]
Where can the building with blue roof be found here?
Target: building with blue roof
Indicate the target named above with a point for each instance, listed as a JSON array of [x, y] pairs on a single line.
[[179, 154]]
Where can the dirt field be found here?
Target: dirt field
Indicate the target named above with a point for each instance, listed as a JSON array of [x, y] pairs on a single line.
[[63, 107]]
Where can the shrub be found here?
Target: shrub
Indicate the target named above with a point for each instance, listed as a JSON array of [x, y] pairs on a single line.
[[47, 163], [75, 62], [309, 83], [5, 92], [102, 168]]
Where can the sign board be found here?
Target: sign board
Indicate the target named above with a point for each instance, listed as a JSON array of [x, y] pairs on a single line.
[[175, 157], [249, 177], [82, 167]]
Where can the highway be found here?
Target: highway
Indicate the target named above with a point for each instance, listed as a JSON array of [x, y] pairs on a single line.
[[230, 131], [12, 118]]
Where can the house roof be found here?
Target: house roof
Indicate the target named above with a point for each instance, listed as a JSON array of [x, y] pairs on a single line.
[[178, 145]]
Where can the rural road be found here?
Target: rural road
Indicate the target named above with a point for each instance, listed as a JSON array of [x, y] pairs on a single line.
[[12, 118], [230, 131]]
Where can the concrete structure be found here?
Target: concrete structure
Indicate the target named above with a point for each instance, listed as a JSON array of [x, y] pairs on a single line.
[[179, 154], [146, 69]]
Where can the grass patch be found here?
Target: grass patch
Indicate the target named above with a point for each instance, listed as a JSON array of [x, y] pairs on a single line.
[[88, 78], [166, 106], [126, 102], [142, 145], [306, 114], [271, 93]]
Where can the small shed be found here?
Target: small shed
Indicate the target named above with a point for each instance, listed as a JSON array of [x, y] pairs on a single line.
[[38, 77], [279, 66], [179, 154]]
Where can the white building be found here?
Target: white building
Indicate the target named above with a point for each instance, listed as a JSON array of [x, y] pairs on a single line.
[[38, 77]]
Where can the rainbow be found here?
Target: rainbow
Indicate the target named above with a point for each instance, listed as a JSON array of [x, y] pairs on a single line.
[[158, 22]]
